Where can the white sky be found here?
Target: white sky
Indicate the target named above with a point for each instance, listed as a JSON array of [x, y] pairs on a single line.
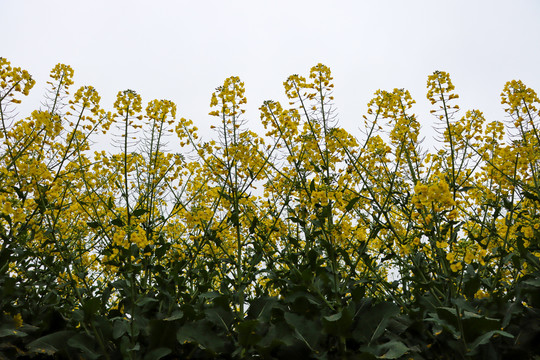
[[183, 50]]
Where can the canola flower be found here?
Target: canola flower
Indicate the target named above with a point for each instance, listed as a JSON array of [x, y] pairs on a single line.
[[242, 208]]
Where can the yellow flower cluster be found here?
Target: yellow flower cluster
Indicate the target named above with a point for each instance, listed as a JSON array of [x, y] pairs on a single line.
[[159, 110], [228, 98], [367, 206], [293, 85], [435, 195], [283, 124], [440, 90], [128, 103], [322, 79], [17, 319], [439, 84], [63, 74], [13, 79], [519, 98]]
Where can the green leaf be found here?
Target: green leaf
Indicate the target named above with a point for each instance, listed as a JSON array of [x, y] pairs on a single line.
[[312, 185], [471, 285], [90, 307], [386, 311], [530, 196], [307, 331], [50, 344], [326, 211], [358, 293], [278, 334], [351, 203], [508, 205], [11, 332], [392, 350], [20, 194], [85, 344], [78, 315], [475, 325], [220, 317], [261, 308], [224, 195], [145, 300], [162, 334], [157, 354], [253, 225], [533, 282], [340, 323], [333, 318], [201, 333], [373, 320], [209, 295], [110, 203], [247, 333], [447, 314], [120, 327], [161, 250], [93, 224], [139, 212], [176, 315], [484, 339], [117, 222], [297, 221]]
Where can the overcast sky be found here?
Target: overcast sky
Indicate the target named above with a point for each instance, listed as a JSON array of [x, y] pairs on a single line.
[[183, 50]]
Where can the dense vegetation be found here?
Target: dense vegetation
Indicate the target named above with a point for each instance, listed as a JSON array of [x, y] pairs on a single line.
[[306, 242]]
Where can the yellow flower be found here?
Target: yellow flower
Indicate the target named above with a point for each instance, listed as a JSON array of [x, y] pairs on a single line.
[[469, 256], [17, 319], [456, 267]]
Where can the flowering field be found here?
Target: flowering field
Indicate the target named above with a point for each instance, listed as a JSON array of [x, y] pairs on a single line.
[[301, 242]]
